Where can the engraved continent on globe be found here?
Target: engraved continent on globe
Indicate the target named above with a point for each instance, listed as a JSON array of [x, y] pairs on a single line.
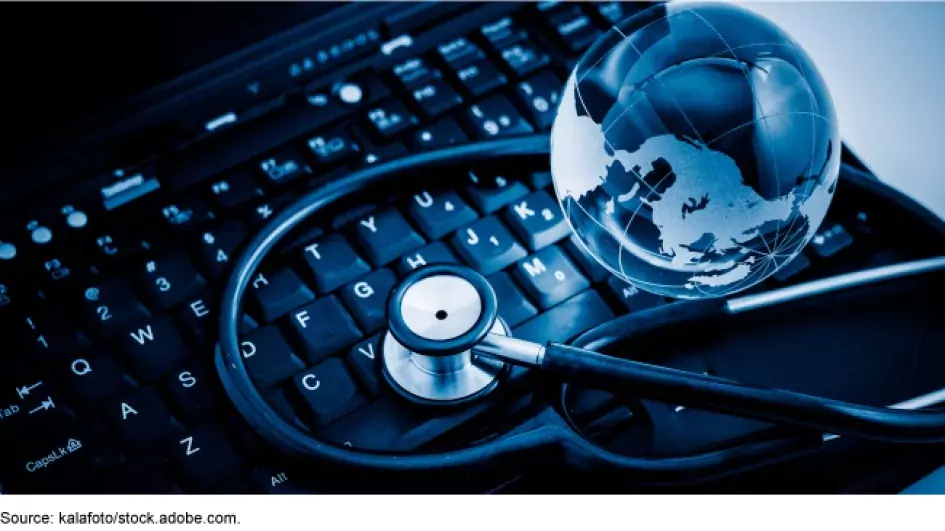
[[695, 150]]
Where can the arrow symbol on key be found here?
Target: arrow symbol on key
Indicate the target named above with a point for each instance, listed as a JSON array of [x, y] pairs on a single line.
[[47, 404], [25, 390]]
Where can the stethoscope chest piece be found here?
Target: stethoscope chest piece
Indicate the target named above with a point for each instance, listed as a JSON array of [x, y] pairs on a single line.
[[436, 317]]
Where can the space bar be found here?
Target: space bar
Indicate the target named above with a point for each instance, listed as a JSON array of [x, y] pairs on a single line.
[[244, 143]]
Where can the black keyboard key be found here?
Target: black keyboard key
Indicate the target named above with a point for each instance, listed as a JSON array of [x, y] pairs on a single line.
[[539, 179], [539, 97], [277, 481], [278, 294], [109, 308], [198, 317], [364, 360], [514, 307], [367, 299], [414, 71], [27, 395], [204, 456], [60, 273], [168, 279], [435, 97], [390, 118], [234, 189], [523, 57], [153, 348], [328, 392], [496, 117], [385, 236], [257, 215], [575, 30], [185, 212], [146, 474], [332, 147], [439, 213], [386, 425], [281, 166], [111, 248], [444, 133], [591, 268], [385, 153], [333, 263], [549, 277], [435, 253], [323, 328], [94, 379], [488, 246], [632, 297], [50, 337], [830, 240], [567, 320], [459, 52], [244, 143], [491, 191], [791, 269], [141, 420], [537, 220], [215, 246], [191, 392], [502, 33], [616, 12], [54, 456], [268, 357], [480, 77], [278, 399]]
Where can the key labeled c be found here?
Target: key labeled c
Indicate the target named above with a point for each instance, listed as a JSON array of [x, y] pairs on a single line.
[[311, 382]]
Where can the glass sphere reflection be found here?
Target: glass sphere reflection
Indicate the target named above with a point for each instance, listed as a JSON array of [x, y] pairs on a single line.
[[695, 150]]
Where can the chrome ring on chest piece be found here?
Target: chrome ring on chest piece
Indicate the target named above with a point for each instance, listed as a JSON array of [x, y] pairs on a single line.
[[437, 315]]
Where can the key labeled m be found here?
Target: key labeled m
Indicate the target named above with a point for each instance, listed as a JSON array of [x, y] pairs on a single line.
[[535, 267], [143, 335]]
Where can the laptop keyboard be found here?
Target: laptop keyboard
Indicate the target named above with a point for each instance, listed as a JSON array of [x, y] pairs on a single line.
[[110, 385]]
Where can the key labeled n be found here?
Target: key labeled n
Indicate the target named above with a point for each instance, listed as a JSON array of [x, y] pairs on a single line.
[[143, 335]]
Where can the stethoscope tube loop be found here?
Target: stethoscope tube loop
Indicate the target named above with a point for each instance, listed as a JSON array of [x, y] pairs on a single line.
[[552, 429]]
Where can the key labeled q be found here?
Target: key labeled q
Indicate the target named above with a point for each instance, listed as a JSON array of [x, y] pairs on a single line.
[[81, 367]]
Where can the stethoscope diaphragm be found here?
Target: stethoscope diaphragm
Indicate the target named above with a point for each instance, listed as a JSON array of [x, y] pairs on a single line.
[[437, 315]]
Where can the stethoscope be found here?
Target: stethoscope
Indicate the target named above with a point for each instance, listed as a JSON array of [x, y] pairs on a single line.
[[447, 346]]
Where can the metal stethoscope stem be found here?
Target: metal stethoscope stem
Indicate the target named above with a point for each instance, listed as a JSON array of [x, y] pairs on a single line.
[[470, 349]]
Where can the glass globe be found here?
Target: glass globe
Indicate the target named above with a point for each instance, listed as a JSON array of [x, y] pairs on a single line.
[[695, 150]]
